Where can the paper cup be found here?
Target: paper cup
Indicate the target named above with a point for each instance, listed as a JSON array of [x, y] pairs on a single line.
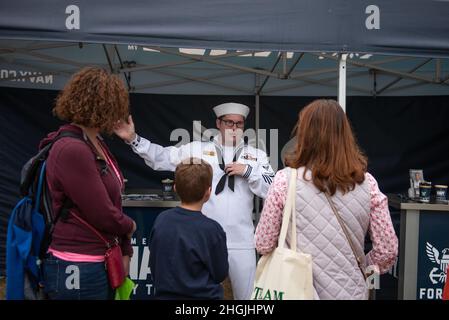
[[167, 189], [424, 191], [440, 193]]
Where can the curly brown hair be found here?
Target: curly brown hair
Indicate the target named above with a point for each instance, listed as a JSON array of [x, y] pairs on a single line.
[[326, 145], [93, 98]]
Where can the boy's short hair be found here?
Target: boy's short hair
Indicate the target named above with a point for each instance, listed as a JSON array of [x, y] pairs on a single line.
[[193, 177]]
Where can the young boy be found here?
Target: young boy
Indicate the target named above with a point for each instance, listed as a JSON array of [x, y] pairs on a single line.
[[188, 254]]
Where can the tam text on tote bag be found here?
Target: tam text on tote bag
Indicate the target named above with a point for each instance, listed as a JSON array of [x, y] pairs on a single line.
[[285, 274]]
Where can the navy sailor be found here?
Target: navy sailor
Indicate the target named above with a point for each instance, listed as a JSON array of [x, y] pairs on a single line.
[[240, 171]]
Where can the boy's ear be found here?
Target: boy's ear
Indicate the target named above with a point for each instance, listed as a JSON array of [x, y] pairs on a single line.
[[174, 187], [207, 193]]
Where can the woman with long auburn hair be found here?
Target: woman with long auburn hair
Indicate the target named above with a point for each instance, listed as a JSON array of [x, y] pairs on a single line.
[[331, 171]]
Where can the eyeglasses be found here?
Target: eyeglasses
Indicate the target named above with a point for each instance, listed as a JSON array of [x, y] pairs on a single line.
[[230, 123]]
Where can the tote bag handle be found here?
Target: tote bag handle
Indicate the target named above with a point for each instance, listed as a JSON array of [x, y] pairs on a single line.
[[289, 211]]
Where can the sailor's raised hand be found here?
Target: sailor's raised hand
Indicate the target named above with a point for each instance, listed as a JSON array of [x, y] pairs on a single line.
[[125, 129]]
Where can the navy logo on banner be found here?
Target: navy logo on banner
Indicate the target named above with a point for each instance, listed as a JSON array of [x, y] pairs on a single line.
[[433, 255], [438, 273]]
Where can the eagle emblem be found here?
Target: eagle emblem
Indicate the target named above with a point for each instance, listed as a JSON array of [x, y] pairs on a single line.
[[438, 274]]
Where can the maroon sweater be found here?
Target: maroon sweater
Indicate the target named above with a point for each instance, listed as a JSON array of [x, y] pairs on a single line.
[[74, 171]]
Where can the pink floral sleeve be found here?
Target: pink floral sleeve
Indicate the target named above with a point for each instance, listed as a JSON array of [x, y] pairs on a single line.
[[269, 226], [385, 242]]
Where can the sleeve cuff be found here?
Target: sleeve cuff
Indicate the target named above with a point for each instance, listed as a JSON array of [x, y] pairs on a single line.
[[248, 171], [135, 142], [127, 249]]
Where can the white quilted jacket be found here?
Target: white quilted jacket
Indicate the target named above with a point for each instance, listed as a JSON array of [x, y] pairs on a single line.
[[335, 271]]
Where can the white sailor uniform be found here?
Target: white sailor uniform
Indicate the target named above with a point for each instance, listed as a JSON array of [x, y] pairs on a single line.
[[232, 207]]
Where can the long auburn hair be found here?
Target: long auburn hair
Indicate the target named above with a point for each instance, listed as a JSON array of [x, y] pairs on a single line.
[[326, 146]]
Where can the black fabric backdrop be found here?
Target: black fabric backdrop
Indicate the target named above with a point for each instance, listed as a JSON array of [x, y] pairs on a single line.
[[397, 133]]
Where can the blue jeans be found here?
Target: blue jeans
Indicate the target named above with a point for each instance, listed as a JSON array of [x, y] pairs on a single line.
[[66, 280]]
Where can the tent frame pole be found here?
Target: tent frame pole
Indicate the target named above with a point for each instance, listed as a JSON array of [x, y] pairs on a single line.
[[38, 47], [181, 81], [326, 82], [220, 63], [205, 80], [342, 81], [392, 83], [177, 63], [260, 88], [384, 70], [302, 79], [126, 75], [257, 90]]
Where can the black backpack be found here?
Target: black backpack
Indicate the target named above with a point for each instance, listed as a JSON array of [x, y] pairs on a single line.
[[33, 178], [30, 227]]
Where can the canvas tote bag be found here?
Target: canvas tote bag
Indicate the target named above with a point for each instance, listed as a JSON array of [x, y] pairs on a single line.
[[285, 274]]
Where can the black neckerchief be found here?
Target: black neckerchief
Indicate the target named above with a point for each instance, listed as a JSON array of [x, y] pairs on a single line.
[[231, 181]]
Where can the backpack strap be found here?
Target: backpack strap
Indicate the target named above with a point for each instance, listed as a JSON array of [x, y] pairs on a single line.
[[46, 197], [67, 133], [39, 185], [30, 169], [68, 203]]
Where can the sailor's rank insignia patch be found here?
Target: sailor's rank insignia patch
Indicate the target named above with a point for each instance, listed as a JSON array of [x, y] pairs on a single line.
[[209, 153], [248, 156]]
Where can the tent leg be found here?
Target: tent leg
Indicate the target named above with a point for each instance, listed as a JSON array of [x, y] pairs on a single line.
[[257, 88], [257, 107], [342, 81]]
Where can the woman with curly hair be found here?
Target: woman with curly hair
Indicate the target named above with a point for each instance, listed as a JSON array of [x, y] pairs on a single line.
[[337, 203], [82, 172]]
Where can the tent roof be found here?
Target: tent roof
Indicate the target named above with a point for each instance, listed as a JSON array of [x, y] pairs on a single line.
[[413, 27]]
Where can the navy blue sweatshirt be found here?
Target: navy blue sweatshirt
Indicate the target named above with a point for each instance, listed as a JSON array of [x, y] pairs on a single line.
[[188, 255]]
